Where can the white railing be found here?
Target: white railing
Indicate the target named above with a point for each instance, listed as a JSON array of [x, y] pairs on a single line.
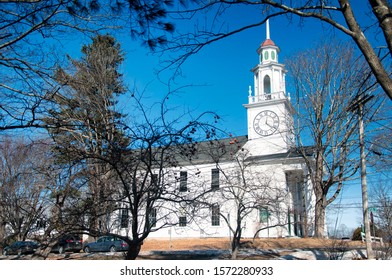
[[267, 96], [372, 238]]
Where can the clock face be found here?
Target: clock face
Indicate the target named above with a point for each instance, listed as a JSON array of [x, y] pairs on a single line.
[[266, 123]]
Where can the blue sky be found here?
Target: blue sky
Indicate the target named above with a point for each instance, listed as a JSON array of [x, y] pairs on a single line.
[[220, 74]]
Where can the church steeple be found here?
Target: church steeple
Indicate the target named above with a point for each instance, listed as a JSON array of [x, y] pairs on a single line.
[[269, 74], [269, 110], [268, 51]]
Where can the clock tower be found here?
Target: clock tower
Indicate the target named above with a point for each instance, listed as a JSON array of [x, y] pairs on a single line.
[[269, 110]]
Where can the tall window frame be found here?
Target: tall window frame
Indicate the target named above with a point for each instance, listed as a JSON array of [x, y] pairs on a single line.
[[264, 215], [215, 178], [183, 181], [154, 182], [152, 217], [124, 218], [182, 221], [215, 215], [267, 87]]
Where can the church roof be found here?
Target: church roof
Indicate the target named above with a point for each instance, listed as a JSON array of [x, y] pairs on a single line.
[[223, 150], [214, 151], [210, 151], [290, 154], [268, 42]]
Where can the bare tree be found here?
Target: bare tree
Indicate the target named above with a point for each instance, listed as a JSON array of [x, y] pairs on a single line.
[[381, 199], [326, 81], [248, 193], [24, 195], [381, 218], [32, 36], [27, 55], [359, 23], [150, 190], [379, 140], [36, 197]]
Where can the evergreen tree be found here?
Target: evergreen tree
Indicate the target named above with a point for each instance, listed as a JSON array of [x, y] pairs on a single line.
[[86, 121]]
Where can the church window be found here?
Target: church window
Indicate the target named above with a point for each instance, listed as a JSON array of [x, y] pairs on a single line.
[[182, 221], [263, 215], [273, 55], [41, 223], [124, 218], [153, 217], [154, 183], [267, 85], [266, 56], [183, 181], [215, 178], [215, 215]]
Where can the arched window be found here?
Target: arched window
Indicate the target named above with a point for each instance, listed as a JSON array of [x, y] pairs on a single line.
[[273, 55], [267, 85]]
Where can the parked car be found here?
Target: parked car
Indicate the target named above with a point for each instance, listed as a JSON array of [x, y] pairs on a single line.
[[20, 247], [68, 243], [106, 244]]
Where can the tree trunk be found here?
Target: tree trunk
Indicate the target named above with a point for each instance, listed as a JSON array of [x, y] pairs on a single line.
[[381, 11], [319, 219], [41, 253], [133, 251], [305, 226], [319, 231], [2, 232], [235, 246]]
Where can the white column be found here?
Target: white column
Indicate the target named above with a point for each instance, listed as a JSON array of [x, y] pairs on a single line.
[[256, 89]]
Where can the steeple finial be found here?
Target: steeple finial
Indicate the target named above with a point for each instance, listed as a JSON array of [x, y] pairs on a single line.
[[267, 29]]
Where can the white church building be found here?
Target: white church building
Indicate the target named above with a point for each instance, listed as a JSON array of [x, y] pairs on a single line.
[[259, 177]]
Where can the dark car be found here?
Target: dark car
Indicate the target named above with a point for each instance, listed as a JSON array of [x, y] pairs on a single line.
[[106, 244], [68, 243], [20, 247]]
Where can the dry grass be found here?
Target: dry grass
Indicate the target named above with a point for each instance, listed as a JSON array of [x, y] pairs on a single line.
[[262, 243]]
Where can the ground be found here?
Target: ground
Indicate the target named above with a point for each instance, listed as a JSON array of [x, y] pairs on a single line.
[[264, 248], [219, 248]]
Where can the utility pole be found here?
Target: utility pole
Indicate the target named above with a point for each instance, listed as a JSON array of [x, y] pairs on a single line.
[[358, 105]]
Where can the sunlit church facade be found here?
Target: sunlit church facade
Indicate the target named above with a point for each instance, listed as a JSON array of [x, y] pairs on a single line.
[[277, 192]]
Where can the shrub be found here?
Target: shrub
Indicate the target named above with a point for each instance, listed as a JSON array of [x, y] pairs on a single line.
[[357, 234], [374, 231]]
